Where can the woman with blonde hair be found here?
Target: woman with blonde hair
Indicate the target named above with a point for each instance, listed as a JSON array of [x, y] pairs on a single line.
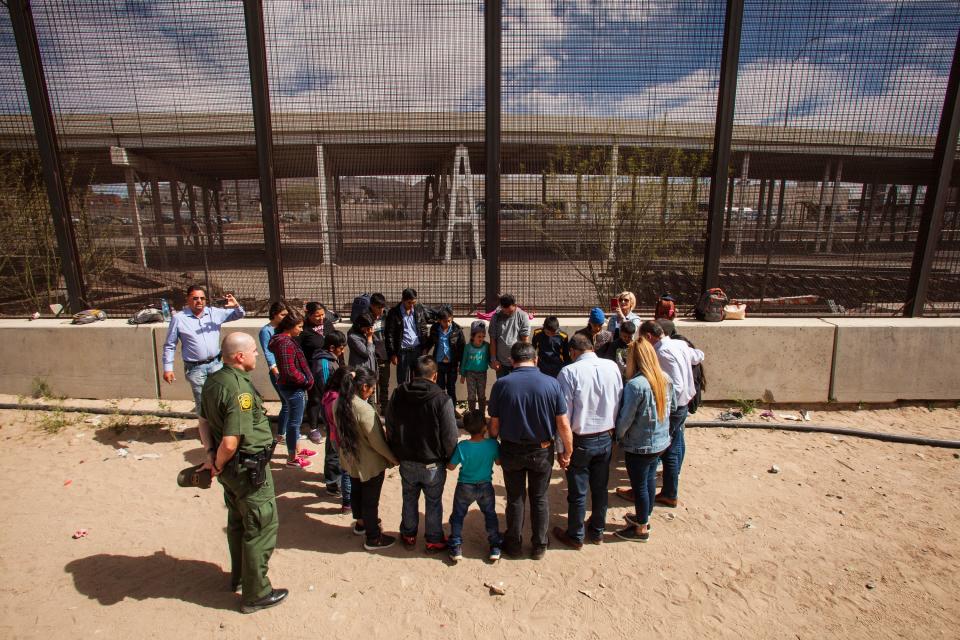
[[626, 302], [643, 431]]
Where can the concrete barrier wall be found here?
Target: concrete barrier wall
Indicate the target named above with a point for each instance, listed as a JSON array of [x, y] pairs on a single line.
[[887, 359], [781, 360], [108, 359]]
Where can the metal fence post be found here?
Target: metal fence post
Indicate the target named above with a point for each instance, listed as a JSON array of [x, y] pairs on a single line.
[[493, 41], [48, 148], [719, 164], [260, 89], [935, 200]]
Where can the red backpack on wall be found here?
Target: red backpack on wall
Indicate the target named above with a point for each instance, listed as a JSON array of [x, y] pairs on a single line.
[[666, 308]]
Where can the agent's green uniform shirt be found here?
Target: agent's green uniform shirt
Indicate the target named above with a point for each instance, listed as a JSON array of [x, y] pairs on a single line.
[[231, 405]]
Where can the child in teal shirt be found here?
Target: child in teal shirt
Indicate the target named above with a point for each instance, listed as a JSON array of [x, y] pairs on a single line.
[[474, 365], [476, 458]]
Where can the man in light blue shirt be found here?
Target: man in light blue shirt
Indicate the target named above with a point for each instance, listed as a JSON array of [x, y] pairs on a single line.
[[197, 328], [591, 387]]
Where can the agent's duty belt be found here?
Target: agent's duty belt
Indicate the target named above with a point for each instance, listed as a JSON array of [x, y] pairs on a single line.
[[207, 361]]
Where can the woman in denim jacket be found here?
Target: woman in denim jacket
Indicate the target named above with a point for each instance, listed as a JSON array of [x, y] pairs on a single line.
[[643, 431]]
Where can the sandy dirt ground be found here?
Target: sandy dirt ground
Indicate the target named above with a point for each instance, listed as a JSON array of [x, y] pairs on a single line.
[[851, 539]]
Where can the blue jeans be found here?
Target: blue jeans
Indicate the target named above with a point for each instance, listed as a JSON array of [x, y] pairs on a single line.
[[196, 375], [447, 379], [294, 400], [465, 495], [642, 469], [416, 477], [344, 478], [589, 470], [405, 361], [282, 416], [672, 456]]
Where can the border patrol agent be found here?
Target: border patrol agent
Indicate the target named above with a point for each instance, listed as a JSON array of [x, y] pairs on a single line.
[[241, 445]]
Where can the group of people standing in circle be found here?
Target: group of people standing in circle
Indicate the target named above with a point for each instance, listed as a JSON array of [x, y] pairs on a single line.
[[618, 380], [557, 399]]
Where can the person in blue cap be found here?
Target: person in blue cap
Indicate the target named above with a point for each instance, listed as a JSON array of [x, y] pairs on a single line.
[[594, 329]]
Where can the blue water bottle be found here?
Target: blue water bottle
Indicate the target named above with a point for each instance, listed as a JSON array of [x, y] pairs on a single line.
[[165, 309]]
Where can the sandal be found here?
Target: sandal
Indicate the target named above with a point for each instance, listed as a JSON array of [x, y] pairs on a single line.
[[298, 463], [306, 453]]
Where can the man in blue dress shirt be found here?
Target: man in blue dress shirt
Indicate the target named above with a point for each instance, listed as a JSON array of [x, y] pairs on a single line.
[[197, 328]]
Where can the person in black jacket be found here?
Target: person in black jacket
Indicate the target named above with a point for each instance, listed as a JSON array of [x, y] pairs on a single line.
[[446, 340], [405, 334], [422, 433]]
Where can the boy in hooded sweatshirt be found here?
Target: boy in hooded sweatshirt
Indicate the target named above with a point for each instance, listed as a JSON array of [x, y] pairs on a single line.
[[422, 433]]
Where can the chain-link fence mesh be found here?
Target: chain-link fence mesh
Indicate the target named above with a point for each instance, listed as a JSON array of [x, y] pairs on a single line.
[[836, 117], [378, 132]]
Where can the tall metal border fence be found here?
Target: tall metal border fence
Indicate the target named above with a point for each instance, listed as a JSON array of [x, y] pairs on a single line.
[[799, 154]]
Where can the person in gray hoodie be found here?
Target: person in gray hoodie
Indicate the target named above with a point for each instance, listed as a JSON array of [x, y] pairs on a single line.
[[360, 339]]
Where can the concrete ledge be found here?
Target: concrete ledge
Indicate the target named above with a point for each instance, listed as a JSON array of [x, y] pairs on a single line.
[[782, 360], [889, 359], [778, 360], [107, 359]]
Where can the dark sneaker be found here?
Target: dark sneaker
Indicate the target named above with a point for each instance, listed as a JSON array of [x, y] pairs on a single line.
[[333, 490], [359, 529], [538, 552], [632, 534], [512, 550], [590, 539], [456, 553], [272, 599], [409, 542], [494, 554], [632, 519], [383, 542]]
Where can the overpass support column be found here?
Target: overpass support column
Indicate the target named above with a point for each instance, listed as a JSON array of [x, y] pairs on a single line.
[[935, 201], [719, 164], [832, 212], [158, 222], [48, 148], [177, 221], [134, 209], [263, 127], [323, 213], [612, 200]]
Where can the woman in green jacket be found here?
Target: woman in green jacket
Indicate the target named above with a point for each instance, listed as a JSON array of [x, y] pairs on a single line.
[[364, 454]]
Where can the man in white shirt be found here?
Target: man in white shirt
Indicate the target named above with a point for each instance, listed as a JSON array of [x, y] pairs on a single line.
[[676, 359], [591, 387]]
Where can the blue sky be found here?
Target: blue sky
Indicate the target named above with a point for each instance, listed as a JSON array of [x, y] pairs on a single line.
[[860, 64]]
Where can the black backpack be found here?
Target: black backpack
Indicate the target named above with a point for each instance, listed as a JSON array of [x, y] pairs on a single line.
[[699, 379], [710, 305], [361, 304]]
